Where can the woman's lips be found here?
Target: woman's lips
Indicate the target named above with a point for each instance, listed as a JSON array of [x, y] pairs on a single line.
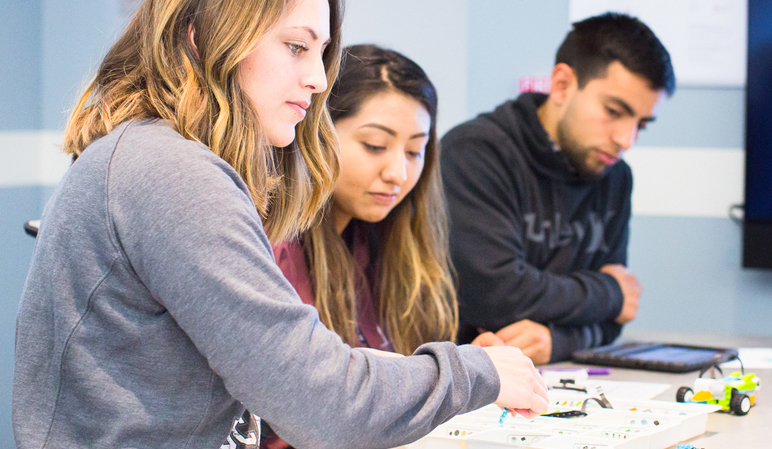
[[385, 199], [299, 108]]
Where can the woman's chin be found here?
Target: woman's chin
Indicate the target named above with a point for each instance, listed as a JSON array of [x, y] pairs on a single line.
[[282, 139], [374, 217]]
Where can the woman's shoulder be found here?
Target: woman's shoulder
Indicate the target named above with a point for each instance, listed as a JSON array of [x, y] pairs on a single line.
[[150, 154], [156, 139]]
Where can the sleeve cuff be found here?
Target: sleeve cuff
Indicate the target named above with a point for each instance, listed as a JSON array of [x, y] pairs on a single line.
[[483, 377]]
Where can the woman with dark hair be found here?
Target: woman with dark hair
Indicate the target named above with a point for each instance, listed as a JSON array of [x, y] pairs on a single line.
[[375, 264]]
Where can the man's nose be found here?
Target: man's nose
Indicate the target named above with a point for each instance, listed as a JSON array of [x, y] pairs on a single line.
[[626, 135]]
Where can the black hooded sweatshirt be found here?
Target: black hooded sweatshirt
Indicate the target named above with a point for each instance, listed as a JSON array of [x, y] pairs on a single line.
[[528, 233]]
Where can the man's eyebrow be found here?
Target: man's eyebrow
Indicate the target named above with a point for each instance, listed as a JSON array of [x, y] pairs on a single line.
[[629, 109], [311, 31]]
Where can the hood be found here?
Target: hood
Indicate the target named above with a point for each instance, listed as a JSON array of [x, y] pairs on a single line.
[[518, 119]]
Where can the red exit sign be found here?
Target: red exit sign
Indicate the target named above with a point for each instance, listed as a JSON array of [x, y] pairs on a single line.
[[535, 84]]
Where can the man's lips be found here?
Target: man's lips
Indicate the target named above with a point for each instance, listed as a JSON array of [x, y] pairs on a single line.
[[607, 158]]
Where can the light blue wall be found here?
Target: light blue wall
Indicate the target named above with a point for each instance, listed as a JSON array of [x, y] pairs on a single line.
[[20, 60], [692, 281], [75, 35], [508, 40]]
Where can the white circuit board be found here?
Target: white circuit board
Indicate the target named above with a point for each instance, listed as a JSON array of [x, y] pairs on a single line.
[[629, 424]]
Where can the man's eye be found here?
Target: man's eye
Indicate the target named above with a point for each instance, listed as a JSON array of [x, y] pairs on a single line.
[[613, 112]]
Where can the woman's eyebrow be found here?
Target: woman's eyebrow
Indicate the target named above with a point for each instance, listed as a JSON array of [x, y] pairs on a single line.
[[314, 35], [385, 129], [390, 131]]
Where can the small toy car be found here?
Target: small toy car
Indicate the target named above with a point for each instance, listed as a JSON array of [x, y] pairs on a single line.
[[735, 393]]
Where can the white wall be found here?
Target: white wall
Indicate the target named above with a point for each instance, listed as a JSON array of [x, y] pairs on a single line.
[[434, 33]]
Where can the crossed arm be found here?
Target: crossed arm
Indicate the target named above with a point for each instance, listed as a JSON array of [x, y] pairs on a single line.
[[546, 313]]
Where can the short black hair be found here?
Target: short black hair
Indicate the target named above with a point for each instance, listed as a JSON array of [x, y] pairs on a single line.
[[596, 42]]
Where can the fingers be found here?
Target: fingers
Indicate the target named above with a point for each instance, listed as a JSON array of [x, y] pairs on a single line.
[[534, 339], [631, 291], [488, 339], [513, 330], [540, 406], [521, 386], [541, 388], [539, 353], [528, 413], [528, 338]]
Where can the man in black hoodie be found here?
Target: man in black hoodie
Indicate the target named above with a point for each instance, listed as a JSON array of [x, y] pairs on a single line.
[[539, 197]]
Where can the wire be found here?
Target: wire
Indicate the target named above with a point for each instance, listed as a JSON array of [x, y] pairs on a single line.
[[737, 213]]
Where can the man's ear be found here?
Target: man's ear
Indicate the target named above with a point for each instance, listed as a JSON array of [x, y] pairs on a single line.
[[562, 84], [192, 37]]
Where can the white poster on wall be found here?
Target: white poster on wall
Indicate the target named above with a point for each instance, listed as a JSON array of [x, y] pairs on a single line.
[[707, 39]]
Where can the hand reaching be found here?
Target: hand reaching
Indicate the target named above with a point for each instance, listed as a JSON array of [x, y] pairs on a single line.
[[522, 388]]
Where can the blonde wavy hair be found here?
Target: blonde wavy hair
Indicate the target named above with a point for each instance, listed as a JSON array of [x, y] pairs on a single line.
[[413, 272], [155, 71]]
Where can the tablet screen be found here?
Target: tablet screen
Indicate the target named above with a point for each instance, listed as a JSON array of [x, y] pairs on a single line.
[[655, 356], [674, 354]]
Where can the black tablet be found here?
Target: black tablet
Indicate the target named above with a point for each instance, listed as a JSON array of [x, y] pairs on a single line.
[[671, 358]]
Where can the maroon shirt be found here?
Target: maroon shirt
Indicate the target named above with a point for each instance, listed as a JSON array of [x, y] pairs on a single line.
[[292, 261]]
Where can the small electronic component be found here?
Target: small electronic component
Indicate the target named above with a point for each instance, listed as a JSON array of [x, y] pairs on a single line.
[[566, 414]]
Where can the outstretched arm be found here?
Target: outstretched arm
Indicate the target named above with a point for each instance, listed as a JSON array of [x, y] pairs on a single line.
[[190, 232]]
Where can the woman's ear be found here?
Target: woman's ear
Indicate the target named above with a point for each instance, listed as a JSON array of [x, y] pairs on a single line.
[[563, 83], [192, 37]]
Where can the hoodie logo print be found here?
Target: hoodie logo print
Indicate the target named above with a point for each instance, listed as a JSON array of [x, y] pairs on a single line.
[[555, 233]]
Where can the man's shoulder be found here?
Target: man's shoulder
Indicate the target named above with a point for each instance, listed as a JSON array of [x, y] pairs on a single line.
[[482, 132], [477, 128]]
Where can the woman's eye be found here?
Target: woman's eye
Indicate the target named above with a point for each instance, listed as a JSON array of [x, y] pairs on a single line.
[[414, 154], [296, 49], [373, 148]]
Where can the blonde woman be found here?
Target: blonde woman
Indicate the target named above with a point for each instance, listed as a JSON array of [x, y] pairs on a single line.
[[154, 309]]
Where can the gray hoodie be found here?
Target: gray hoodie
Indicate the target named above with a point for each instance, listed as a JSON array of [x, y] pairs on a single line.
[[154, 309]]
